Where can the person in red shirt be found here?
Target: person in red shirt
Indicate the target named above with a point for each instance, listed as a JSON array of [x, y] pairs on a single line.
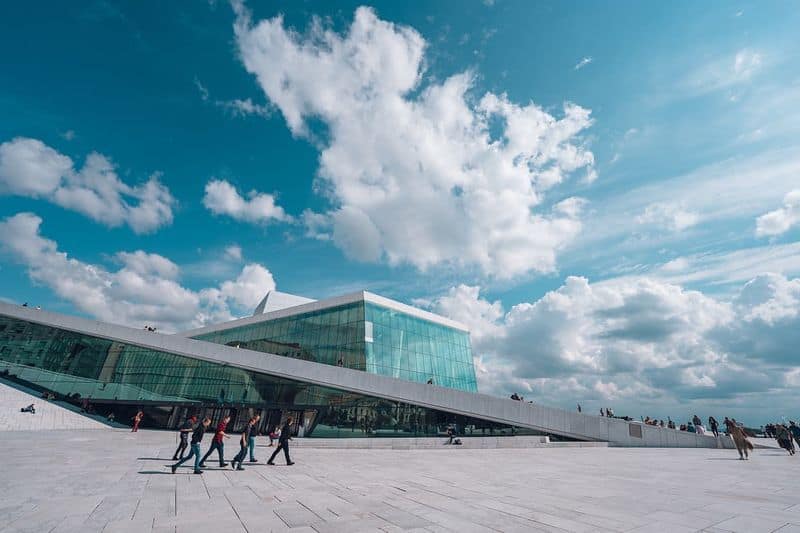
[[136, 420], [218, 444]]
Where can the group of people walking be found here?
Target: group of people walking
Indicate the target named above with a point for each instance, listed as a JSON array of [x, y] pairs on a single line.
[[785, 435], [247, 443]]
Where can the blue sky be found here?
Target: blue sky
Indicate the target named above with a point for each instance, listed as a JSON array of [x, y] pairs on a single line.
[[608, 194]]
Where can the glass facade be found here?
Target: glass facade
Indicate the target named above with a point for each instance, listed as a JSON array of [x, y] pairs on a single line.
[[364, 336], [115, 376]]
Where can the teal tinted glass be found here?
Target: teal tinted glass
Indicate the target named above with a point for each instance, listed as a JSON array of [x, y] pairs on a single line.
[[77, 366], [332, 336], [401, 345], [409, 347]]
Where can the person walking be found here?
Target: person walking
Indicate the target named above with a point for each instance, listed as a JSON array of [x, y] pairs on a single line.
[[137, 418], [713, 425], [251, 438], [794, 430], [184, 431], [274, 435], [283, 443], [218, 444], [784, 438], [194, 448], [242, 447]]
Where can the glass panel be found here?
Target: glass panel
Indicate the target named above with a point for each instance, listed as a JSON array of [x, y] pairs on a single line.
[[402, 342], [119, 377]]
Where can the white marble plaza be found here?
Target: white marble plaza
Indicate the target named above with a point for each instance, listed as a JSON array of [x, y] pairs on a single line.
[[113, 480]]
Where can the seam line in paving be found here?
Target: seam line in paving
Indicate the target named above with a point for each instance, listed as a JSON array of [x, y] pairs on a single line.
[[236, 513], [281, 518], [309, 509]]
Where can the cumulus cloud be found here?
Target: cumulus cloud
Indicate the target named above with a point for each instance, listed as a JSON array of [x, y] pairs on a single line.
[[463, 304], [222, 198], [782, 219], [318, 225], [418, 170], [143, 290], [634, 341], [30, 168]]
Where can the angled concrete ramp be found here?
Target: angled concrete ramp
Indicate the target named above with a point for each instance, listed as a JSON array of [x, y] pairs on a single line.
[[49, 416], [538, 417]]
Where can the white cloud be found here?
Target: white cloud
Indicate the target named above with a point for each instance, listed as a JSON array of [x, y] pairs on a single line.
[[463, 304], [782, 219], [201, 89], [248, 289], [145, 290], [145, 264], [28, 167], [668, 216], [413, 171], [679, 264], [746, 63], [356, 234], [725, 72], [222, 198], [641, 342], [243, 107], [734, 266], [582, 63], [68, 135], [719, 193], [233, 252], [770, 298], [318, 226], [238, 107], [630, 133]]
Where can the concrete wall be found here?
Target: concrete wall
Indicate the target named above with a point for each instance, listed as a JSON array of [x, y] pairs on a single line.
[[505, 411], [429, 443]]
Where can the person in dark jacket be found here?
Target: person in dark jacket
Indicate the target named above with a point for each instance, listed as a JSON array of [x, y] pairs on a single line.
[[242, 447], [784, 437], [194, 449], [184, 430], [283, 443], [251, 438], [713, 425], [794, 429]]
